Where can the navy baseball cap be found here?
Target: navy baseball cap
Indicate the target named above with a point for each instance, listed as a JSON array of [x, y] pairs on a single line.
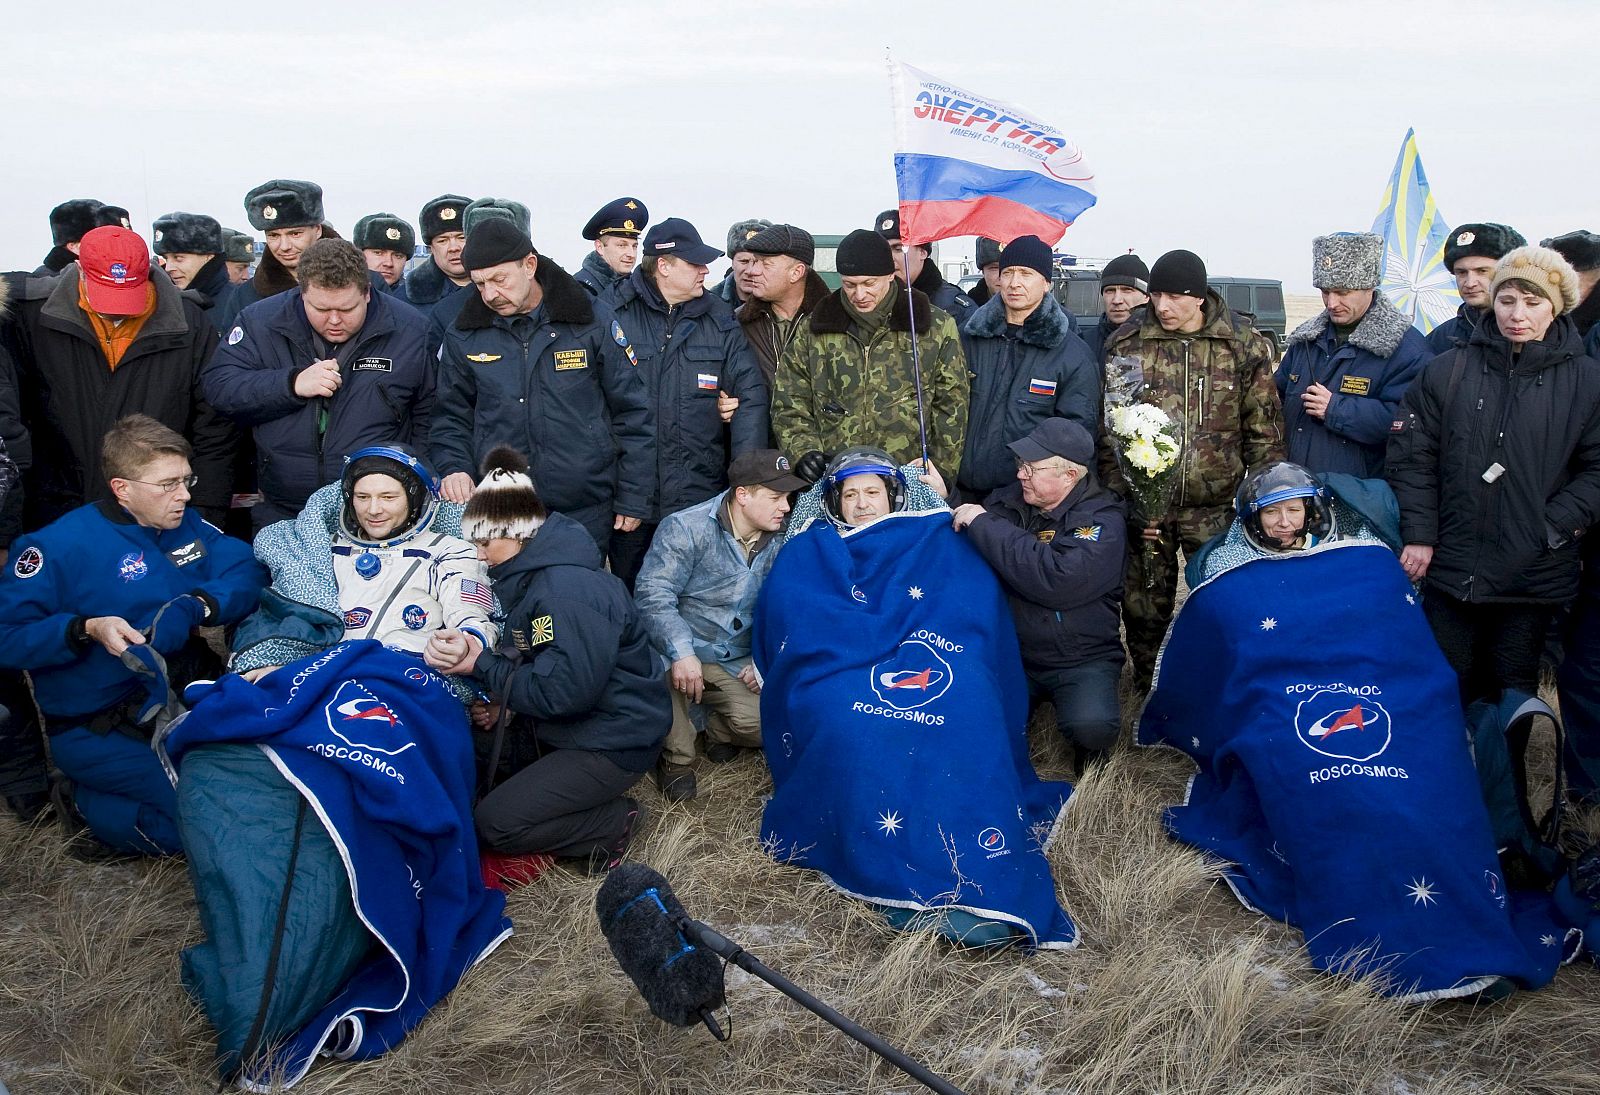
[[677, 237], [1056, 437]]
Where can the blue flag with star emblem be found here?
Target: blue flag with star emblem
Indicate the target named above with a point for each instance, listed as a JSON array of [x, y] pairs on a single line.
[[894, 716], [1334, 775]]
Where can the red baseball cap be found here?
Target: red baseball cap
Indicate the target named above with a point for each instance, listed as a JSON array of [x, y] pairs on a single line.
[[116, 268]]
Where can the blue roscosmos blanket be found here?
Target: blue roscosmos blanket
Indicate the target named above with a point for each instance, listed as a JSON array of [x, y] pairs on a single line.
[[379, 747], [1335, 776], [894, 716]]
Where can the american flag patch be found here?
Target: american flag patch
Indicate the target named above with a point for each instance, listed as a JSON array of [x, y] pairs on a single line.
[[477, 593], [1041, 387], [708, 382]]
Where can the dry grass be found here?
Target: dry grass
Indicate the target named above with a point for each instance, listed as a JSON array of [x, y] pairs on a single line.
[[1174, 989]]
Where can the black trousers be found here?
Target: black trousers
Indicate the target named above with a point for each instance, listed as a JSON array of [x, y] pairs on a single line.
[[569, 802], [628, 549], [1491, 647]]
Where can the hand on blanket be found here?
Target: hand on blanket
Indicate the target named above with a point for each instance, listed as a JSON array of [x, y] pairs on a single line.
[[965, 515], [254, 675], [457, 487], [689, 678], [452, 652], [1415, 560]]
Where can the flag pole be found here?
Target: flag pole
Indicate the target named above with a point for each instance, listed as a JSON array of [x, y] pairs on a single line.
[[916, 357]]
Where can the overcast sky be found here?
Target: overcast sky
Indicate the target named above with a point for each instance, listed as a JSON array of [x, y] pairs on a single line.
[[1236, 129]]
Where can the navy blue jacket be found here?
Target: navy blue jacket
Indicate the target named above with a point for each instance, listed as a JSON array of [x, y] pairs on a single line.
[[1455, 331], [427, 288], [212, 290], [945, 295], [397, 290], [559, 385], [386, 396], [97, 561], [1368, 376], [575, 655], [1042, 371], [1062, 571], [596, 275], [686, 353]]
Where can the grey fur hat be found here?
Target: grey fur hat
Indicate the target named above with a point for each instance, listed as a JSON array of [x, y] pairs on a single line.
[[1581, 248], [488, 208], [284, 203], [186, 234], [740, 231], [239, 246], [384, 232], [1347, 260]]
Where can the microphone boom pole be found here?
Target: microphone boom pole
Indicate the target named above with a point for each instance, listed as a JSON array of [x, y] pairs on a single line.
[[720, 944]]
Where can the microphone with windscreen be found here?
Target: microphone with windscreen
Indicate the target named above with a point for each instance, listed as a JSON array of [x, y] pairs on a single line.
[[672, 960]]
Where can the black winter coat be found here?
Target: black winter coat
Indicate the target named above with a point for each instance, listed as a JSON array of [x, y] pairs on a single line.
[[1044, 371], [686, 355], [71, 397], [386, 394], [575, 656], [1531, 425], [560, 386], [1062, 571]]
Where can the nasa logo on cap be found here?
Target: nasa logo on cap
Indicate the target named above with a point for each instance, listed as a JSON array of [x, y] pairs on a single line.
[[119, 272], [269, 212], [392, 233], [447, 214]]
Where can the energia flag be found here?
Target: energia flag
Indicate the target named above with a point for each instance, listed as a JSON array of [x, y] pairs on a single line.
[[969, 165], [1414, 236]]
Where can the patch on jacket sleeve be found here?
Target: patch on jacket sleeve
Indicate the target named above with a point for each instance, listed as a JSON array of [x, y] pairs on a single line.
[[236, 336], [620, 337], [28, 563], [567, 360], [544, 630], [1041, 387], [1355, 385], [1086, 532]]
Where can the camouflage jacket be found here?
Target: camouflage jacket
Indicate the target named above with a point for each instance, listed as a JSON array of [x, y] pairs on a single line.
[[835, 390], [1217, 382]]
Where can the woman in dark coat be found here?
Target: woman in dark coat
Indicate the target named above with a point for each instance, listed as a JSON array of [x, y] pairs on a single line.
[[1495, 460]]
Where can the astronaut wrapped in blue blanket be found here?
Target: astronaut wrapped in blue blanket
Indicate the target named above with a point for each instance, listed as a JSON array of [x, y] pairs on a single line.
[[1334, 775], [338, 938], [894, 722]]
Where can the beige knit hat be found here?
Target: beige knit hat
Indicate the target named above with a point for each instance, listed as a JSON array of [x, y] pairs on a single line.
[[1551, 276]]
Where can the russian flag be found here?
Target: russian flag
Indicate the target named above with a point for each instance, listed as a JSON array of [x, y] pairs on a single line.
[[968, 165]]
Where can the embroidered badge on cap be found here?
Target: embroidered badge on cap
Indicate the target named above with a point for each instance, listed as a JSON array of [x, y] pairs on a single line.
[[1465, 238], [269, 212], [888, 223], [1355, 385], [567, 360], [544, 630], [447, 214], [392, 233], [159, 234], [29, 563]]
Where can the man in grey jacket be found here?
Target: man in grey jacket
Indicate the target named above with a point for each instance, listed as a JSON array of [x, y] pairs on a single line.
[[697, 593]]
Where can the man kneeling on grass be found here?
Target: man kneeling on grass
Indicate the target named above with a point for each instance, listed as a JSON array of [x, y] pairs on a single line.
[[697, 592], [580, 709]]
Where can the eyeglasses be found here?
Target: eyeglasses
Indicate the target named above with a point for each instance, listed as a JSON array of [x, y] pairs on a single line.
[[167, 486], [1028, 471]]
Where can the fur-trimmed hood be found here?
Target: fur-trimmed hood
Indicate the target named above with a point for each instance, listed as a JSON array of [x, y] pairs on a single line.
[[1046, 326], [834, 316], [272, 277], [1379, 332], [427, 284], [565, 301]]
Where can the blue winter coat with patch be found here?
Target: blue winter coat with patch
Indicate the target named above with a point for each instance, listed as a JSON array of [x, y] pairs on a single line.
[[575, 656], [1368, 375], [386, 395], [1019, 379], [686, 354], [559, 385], [98, 561]]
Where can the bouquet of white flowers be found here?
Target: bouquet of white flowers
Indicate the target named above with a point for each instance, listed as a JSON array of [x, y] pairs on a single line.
[[1149, 448]]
